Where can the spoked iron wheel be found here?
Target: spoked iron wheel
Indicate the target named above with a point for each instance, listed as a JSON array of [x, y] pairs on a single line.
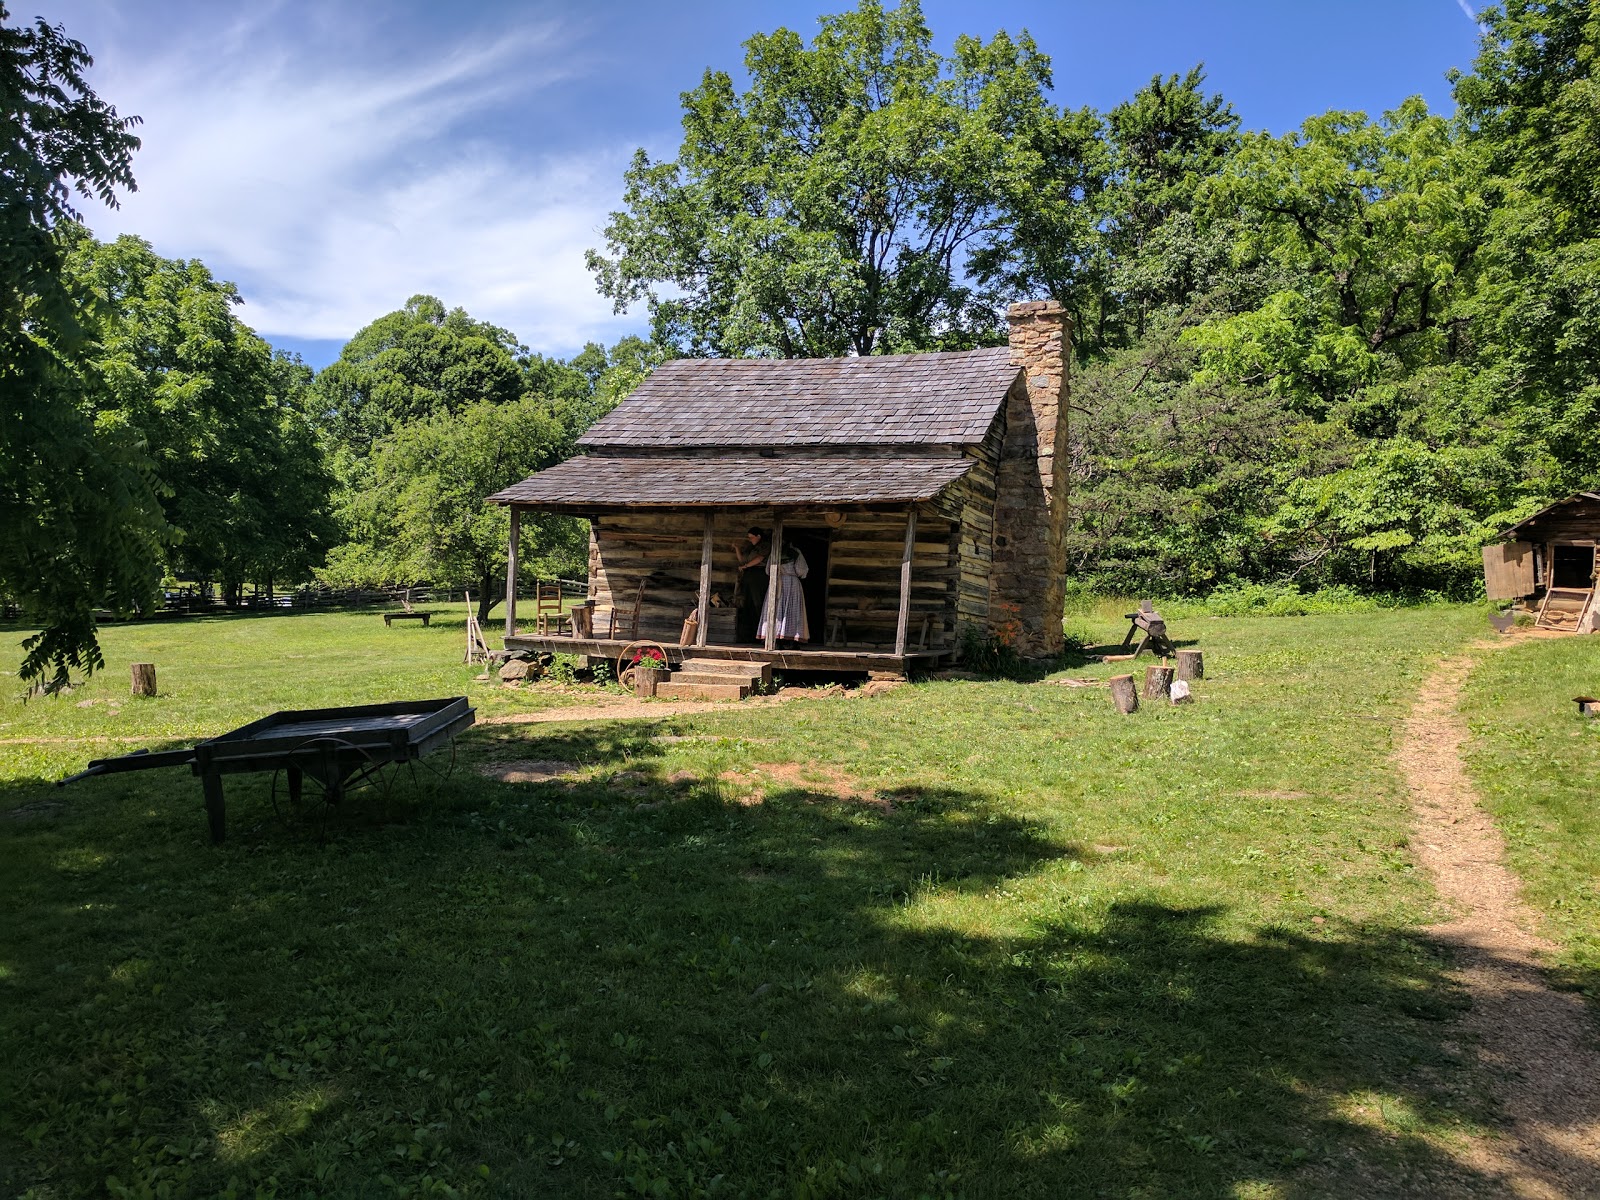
[[439, 773], [625, 660], [324, 771]]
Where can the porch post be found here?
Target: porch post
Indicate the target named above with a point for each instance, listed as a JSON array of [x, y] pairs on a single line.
[[511, 571], [704, 610], [774, 558], [905, 583]]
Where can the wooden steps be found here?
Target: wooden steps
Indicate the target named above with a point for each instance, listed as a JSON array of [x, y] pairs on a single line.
[[714, 679], [701, 691]]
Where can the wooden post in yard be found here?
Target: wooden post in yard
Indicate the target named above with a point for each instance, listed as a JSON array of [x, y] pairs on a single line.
[[905, 583], [774, 560], [144, 679], [511, 571], [703, 609], [1123, 694]]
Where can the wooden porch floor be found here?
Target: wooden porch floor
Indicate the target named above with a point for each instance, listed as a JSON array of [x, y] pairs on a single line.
[[820, 659]]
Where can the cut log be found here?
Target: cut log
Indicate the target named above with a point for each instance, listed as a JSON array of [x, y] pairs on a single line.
[[1191, 664], [1157, 683], [647, 679], [144, 679], [1124, 694]]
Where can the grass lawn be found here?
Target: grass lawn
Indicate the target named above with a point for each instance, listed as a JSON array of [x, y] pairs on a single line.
[[964, 939], [1536, 763]]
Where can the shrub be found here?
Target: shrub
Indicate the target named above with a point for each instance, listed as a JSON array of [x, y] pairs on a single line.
[[564, 668]]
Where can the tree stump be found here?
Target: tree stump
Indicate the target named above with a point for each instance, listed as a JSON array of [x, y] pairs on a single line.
[[144, 679], [1123, 693], [645, 680], [1157, 683], [1191, 664]]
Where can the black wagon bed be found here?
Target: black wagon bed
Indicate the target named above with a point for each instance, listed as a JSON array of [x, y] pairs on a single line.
[[331, 746]]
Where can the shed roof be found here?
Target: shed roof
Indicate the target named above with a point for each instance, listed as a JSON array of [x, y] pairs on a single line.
[[586, 484], [1583, 507], [947, 398]]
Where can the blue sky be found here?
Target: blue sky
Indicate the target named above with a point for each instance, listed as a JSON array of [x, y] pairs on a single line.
[[335, 158]]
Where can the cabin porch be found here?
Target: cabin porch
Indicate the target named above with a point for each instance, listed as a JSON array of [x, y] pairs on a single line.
[[880, 595], [821, 658]]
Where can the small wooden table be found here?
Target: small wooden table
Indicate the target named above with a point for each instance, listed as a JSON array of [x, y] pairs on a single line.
[[391, 618]]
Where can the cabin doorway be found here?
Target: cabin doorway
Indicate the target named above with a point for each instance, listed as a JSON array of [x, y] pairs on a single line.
[[1572, 567], [813, 543]]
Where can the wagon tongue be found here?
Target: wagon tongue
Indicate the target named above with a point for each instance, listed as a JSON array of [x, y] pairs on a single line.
[[139, 760]]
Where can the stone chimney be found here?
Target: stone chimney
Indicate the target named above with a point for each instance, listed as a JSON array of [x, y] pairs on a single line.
[[1028, 584]]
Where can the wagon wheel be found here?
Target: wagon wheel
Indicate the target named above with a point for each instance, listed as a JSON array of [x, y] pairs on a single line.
[[625, 659], [444, 772], [323, 772]]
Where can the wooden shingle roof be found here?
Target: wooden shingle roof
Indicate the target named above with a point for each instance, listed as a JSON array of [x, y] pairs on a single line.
[[886, 400], [591, 483], [1578, 514]]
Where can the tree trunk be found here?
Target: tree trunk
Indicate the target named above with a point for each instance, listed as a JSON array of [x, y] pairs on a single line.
[[1123, 694], [486, 599], [1191, 664], [144, 679], [1157, 683]]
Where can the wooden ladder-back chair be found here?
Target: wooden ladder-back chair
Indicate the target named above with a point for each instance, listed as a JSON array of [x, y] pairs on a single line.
[[547, 615], [624, 623]]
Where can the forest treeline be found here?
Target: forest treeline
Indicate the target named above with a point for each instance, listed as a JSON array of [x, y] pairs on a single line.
[[1343, 355]]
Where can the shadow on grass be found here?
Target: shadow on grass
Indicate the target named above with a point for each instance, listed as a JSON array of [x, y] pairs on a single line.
[[671, 988]]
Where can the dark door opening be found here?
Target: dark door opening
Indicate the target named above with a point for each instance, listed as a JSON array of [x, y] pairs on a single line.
[[813, 544], [1573, 567]]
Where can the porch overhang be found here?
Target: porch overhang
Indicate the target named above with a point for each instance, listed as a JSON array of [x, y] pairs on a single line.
[[605, 483]]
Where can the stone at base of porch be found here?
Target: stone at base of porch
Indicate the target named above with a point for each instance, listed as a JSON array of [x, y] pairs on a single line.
[[783, 660]]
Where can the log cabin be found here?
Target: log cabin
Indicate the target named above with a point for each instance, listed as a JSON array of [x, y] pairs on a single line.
[[925, 491], [1550, 562]]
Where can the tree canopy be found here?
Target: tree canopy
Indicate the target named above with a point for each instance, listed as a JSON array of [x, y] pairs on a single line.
[[428, 411], [80, 526], [831, 207], [223, 421]]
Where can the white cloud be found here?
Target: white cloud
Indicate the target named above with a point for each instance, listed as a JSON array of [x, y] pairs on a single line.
[[332, 187]]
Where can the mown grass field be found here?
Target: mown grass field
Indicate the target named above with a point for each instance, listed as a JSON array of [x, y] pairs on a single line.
[[1536, 763], [964, 939]]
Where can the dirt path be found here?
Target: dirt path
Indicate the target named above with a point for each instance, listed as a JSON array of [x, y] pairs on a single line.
[[622, 709], [1536, 1042]]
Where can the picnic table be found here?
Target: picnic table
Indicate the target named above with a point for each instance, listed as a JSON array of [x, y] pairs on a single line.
[[390, 618], [322, 753]]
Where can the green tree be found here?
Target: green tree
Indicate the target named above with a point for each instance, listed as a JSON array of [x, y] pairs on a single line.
[[1306, 415], [243, 483], [586, 387], [1531, 109], [1104, 216], [413, 363], [414, 507], [80, 528], [832, 207]]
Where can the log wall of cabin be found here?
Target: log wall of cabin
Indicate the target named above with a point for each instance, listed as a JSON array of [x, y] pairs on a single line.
[[974, 499], [863, 568]]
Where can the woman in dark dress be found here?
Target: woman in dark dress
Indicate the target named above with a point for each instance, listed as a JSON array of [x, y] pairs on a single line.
[[750, 594]]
